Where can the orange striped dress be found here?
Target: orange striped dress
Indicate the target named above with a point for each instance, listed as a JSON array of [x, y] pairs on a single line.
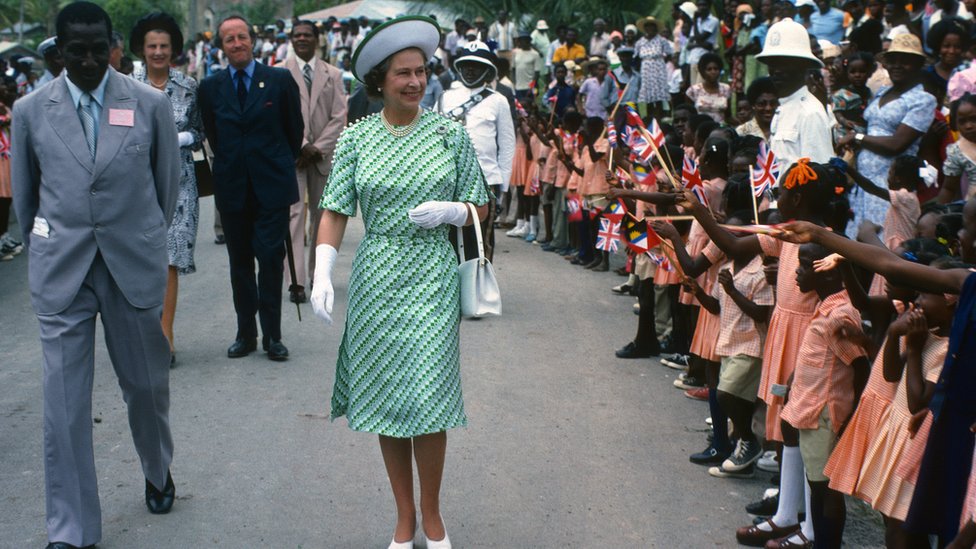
[[879, 485], [534, 171], [698, 238], [520, 162], [6, 188], [705, 338], [791, 317], [899, 226], [844, 466]]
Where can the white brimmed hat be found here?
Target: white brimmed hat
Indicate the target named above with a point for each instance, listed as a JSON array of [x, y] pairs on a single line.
[[689, 9], [477, 52], [410, 31], [788, 38], [542, 25]]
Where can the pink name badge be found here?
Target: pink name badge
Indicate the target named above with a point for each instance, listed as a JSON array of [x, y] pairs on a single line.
[[121, 117]]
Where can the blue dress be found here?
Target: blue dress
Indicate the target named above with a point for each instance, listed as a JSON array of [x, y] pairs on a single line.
[[940, 490], [916, 109]]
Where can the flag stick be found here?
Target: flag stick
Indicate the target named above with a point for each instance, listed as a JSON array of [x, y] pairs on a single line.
[[669, 218], [613, 115], [752, 191], [669, 170]]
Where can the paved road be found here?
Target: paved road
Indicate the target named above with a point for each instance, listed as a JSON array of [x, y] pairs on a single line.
[[567, 445]]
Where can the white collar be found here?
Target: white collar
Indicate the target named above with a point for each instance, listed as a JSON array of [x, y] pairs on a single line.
[[301, 63], [795, 96]]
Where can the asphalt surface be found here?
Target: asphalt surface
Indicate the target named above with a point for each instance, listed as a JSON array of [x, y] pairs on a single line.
[[567, 446]]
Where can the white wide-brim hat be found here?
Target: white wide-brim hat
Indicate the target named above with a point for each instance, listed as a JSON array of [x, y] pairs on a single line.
[[409, 31], [788, 38]]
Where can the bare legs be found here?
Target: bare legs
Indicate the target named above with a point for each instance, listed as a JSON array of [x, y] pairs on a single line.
[[169, 305], [429, 451]]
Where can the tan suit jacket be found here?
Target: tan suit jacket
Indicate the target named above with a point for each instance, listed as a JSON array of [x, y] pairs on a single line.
[[324, 110]]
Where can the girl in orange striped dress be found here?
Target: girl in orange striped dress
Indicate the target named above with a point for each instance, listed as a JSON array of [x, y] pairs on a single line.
[[520, 165], [533, 186], [913, 358], [845, 463], [539, 177]]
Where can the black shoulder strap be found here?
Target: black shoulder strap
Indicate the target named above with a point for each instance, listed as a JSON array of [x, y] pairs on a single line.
[[457, 113]]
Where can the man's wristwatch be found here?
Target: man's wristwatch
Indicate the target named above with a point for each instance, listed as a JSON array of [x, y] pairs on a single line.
[[858, 138]]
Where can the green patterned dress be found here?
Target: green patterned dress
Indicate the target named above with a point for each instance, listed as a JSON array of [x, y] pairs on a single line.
[[398, 372]]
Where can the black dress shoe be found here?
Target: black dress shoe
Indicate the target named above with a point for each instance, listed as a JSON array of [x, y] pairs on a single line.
[[159, 503], [631, 350], [277, 351], [297, 295], [242, 347], [63, 545]]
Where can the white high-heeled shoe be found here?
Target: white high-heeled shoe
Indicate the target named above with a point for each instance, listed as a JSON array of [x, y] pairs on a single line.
[[394, 544], [440, 544]]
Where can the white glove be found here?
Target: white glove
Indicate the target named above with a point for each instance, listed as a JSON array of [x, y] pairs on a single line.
[[323, 294], [186, 139], [431, 214]]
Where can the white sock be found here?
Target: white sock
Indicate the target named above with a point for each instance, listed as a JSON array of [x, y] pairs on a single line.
[[807, 525], [791, 483], [632, 280], [519, 224], [533, 224]]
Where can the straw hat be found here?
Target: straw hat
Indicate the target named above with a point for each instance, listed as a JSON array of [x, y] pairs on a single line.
[[593, 60], [905, 43], [788, 38], [643, 21], [410, 31]]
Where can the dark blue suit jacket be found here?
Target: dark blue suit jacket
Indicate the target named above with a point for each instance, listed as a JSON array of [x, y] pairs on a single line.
[[260, 143]]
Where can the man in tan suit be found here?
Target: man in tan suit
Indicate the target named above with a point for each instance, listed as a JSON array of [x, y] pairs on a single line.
[[324, 111]]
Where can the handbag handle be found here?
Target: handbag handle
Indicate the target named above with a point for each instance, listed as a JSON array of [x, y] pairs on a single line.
[[477, 231]]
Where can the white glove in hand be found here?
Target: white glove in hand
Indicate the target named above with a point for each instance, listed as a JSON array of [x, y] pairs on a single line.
[[186, 139], [323, 294], [431, 214]]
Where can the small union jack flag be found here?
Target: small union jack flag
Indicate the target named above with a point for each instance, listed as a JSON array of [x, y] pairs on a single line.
[[611, 134], [534, 186], [520, 109], [574, 209], [608, 237], [661, 261], [766, 172], [657, 134], [615, 212], [642, 149], [623, 175], [691, 179]]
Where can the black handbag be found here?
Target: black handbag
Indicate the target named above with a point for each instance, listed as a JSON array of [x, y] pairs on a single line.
[[201, 169]]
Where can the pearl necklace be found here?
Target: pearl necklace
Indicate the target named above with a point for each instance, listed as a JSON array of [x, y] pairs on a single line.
[[400, 131]]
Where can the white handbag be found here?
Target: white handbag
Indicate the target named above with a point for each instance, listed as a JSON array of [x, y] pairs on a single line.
[[479, 288]]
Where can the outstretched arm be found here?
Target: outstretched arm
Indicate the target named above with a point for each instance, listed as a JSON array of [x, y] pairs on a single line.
[[745, 247], [692, 267], [878, 260]]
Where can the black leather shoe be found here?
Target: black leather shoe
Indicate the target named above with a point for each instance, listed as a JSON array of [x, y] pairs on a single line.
[[63, 545], [219, 239], [242, 347], [277, 351], [159, 503], [630, 350], [297, 295]]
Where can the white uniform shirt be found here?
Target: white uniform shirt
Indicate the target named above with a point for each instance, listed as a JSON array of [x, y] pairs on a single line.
[[800, 128], [491, 130]]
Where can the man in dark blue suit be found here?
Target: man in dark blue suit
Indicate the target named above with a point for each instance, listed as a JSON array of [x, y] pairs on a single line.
[[253, 121]]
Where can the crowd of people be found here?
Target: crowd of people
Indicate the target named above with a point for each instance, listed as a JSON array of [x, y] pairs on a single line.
[[788, 188]]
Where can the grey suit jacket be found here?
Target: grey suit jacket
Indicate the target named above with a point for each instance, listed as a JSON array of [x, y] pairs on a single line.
[[324, 110], [119, 205]]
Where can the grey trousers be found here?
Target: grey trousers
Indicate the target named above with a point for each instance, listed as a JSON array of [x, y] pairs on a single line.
[[140, 355], [560, 229]]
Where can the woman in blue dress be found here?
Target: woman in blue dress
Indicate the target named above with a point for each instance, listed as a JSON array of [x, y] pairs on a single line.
[[897, 117], [412, 173]]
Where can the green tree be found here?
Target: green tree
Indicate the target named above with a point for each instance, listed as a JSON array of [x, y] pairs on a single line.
[[259, 12], [125, 13]]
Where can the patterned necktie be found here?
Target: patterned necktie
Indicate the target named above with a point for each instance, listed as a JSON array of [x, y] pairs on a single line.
[[307, 73], [241, 89], [87, 122]]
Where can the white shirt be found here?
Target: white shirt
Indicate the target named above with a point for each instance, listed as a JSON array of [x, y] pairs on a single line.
[[800, 128], [491, 130]]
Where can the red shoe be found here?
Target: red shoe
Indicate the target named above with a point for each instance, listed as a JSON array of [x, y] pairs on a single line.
[[700, 393]]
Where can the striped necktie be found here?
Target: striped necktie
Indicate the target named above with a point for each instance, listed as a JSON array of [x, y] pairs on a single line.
[[88, 122], [307, 73]]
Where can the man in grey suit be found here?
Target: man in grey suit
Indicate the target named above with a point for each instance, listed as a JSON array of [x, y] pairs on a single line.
[[95, 174]]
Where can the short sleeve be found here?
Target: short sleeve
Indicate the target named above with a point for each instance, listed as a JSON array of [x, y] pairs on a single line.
[[921, 113], [340, 193], [692, 93], [953, 165], [470, 184], [712, 252], [771, 247], [844, 349]]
